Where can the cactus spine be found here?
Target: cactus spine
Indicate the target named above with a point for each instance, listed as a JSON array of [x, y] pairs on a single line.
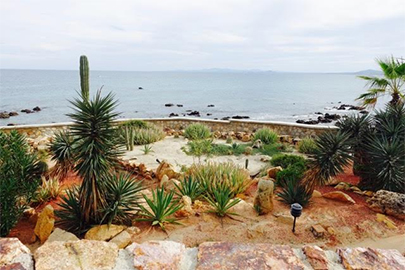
[[84, 77]]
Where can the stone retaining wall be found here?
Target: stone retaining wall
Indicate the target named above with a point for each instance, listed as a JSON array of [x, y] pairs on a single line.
[[179, 123], [90, 254]]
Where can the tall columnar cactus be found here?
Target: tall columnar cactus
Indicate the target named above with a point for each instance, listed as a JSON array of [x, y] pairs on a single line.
[[84, 77]]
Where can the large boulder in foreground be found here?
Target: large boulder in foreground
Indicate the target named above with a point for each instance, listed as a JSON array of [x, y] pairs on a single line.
[[389, 203], [263, 200], [14, 255], [162, 255], [76, 255]]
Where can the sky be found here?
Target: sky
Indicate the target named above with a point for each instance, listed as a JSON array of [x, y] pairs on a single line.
[[149, 35]]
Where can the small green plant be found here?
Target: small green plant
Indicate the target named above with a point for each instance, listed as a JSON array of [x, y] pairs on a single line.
[[285, 160], [307, 146], [70, 213], [147, 149], [221, 201], [199, 148], [229, 140], [267, 136], [293, 173], [295, 192], [138, 132], [270, 149], [162, 206], [49, 190], [136, 124], [189, 187], [197, 132]]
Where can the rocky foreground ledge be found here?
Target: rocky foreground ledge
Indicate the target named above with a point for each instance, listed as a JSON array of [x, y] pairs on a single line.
[[90, 254]]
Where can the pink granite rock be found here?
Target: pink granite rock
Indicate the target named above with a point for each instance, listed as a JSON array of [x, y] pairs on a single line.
[[14, 255]]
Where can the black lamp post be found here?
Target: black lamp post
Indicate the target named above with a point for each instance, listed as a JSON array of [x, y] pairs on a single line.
[[296, 211]]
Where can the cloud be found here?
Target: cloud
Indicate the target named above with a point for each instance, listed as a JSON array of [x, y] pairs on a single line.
[[290, 35]]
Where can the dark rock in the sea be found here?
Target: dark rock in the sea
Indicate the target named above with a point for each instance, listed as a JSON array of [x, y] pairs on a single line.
[[13, 113], [194, 113], [10, 124], [140, 88], [179, 105], [215, 118], [308, 122], [340, 102], [349, 107], [318, 113], [332, 116], [240, 117], [36, 109], [189, 110], [225, 118], [173, 115], [208, 114], [364, 112], [324, 120], [169, 105], [300, 121], [27, 111], [4, 115], [211, 105]]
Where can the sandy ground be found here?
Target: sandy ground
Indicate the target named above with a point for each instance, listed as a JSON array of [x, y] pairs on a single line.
[[170, 150]]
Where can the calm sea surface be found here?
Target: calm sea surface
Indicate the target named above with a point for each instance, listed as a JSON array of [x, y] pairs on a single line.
[[262, 96]]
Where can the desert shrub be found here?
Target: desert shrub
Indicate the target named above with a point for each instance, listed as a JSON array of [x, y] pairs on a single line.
[[229, 140], [295, 192], [62, 154], [197, 132], [148, 135], [199, 147], [189, 187], [307, 146], [49, 190], [221, 201], [271, 149], [267, 136], [138, 132], [211, 175], [136, 124], [293, 173], [19, 178], [162, 207], [285, 160]]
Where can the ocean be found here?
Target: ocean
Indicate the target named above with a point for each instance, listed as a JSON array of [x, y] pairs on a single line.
[[260, 95]]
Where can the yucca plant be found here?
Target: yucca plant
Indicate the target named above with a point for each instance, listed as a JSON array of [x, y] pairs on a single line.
[[122, 197], [70, 215], [96, 150], [332, 156], [162, 207], [295, 192], [221, 201], [267, 136], [62, 153], [189, 187]]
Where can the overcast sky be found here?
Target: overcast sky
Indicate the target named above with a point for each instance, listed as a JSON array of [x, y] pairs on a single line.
[[282, 35]]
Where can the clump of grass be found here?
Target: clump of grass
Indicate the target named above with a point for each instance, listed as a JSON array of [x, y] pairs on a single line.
[[140, 133], [307, 146], [147, 149], [189, 187], [267, 136], [207, 147], [229, 140], [293, 173], [162, 207], [221, 201], [197, 132], [212, 175]]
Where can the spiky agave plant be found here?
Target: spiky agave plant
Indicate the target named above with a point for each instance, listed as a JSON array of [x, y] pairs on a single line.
[[333, 154], [122, 197], [62, 153], [294, 192], [221, 201], [96, 150], [162, 207], [189, 187]]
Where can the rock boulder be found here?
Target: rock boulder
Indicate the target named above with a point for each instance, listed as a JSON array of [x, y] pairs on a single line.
[[45, 224], [389, 203]]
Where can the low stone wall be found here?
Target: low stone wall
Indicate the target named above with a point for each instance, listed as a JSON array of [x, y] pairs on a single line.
[[90, 254], [249, 126]]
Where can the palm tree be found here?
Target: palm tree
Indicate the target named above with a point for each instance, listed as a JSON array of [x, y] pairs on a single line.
[[390, 84]]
